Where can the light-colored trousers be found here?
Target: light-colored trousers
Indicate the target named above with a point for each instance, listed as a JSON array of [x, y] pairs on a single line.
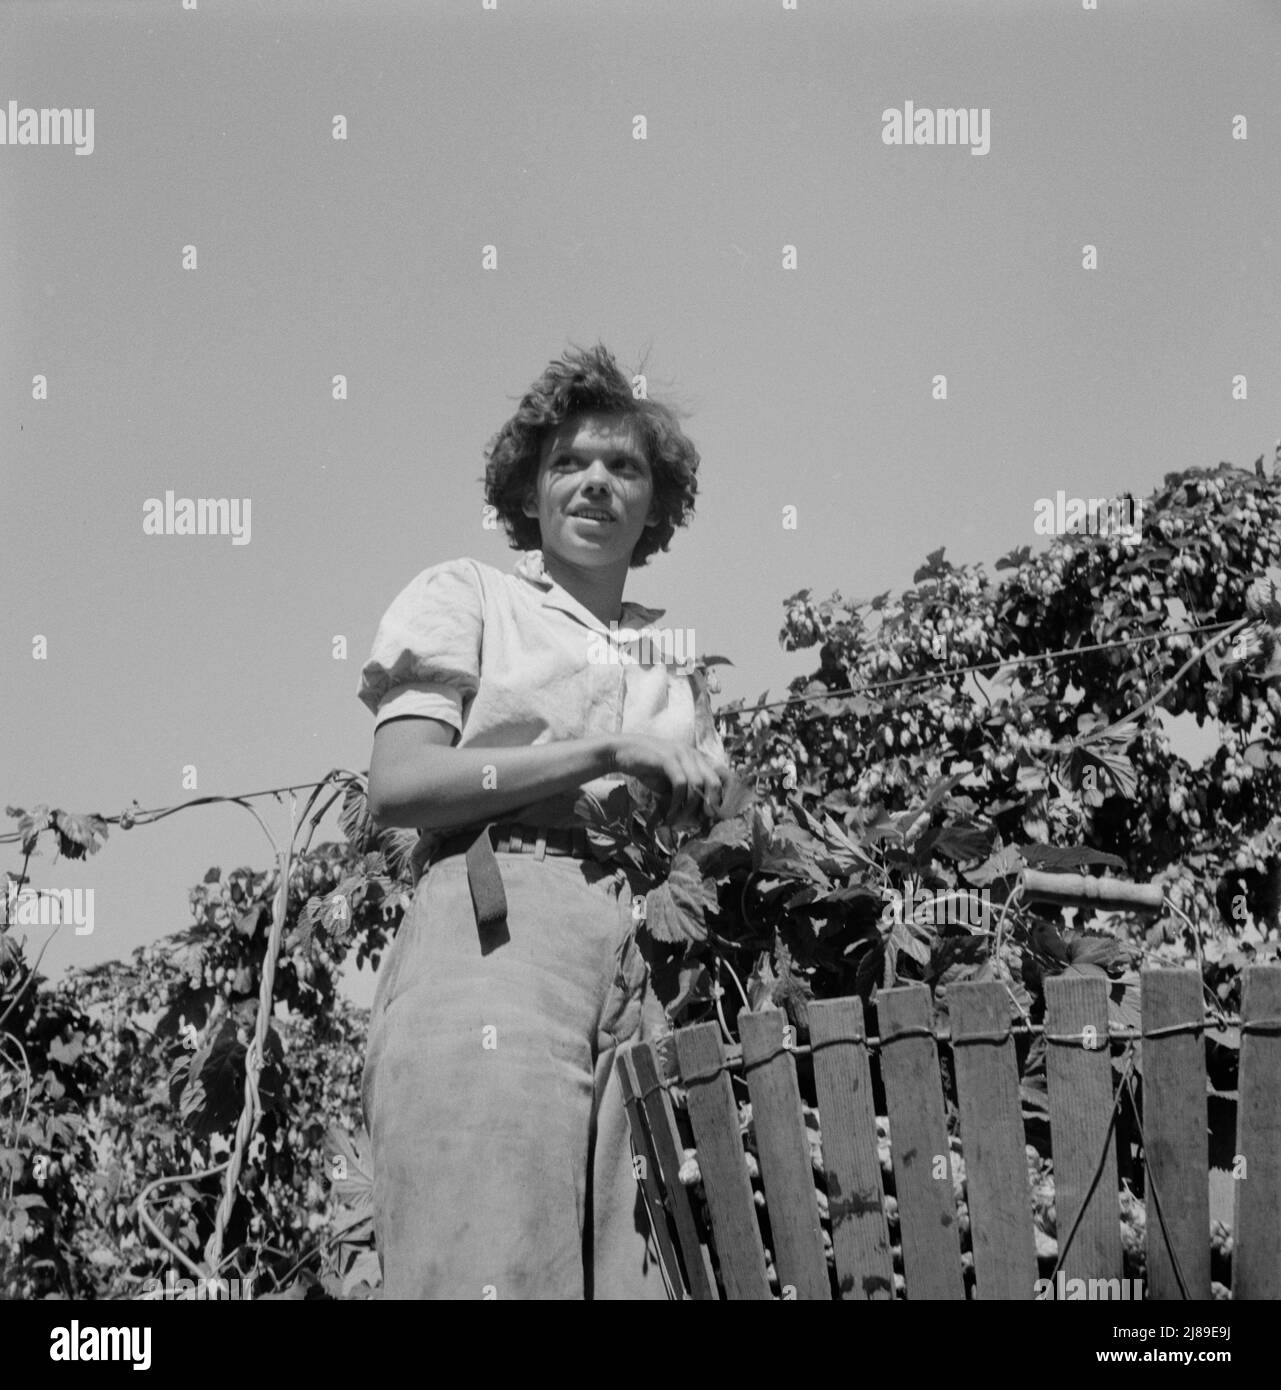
[[502, 1162]]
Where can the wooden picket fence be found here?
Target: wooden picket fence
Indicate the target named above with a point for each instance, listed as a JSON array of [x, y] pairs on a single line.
[[1082, 1100]]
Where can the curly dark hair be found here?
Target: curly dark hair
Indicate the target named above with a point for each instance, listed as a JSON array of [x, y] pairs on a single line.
[[589, 381]]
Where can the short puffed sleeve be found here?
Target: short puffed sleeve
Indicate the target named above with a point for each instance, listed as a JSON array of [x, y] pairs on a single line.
[[426, 654]]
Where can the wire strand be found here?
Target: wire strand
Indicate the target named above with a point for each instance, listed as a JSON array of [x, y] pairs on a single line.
[[949, 674], [147, 817]]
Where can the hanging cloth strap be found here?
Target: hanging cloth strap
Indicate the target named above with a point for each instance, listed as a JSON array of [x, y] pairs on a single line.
[[489, 900]]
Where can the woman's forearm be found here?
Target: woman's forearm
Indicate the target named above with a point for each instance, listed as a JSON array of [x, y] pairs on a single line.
[[435, 787]]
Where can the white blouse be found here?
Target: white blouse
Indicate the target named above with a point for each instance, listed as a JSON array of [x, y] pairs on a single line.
[[514, 660]]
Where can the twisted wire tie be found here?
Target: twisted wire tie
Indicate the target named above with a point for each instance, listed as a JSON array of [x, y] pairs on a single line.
[[733, 1061]]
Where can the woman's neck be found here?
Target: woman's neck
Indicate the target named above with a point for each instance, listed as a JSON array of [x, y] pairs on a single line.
[[599, 589]]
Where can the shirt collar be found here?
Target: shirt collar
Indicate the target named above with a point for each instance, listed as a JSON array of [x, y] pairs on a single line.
[[530, 568]]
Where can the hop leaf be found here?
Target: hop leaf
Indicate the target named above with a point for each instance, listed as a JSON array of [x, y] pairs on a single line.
[[30, 824], [354, 818], [1099, 764], [350, 1159], [78, 835], [676, 909], [1015, 558], [209, 1085], [397, 847]]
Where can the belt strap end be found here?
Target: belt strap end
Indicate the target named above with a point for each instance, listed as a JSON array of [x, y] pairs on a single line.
[[486, 883]]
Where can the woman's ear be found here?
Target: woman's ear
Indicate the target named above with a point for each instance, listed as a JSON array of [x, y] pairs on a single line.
[[533, 475]]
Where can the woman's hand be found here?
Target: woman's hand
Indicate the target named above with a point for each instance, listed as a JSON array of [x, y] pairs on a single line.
[[686, 779]]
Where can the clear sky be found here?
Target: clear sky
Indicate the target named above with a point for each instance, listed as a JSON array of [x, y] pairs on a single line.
[[810, 387]]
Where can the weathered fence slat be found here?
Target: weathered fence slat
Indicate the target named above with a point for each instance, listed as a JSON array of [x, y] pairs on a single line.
[[656, 1108], [918, 1135], [1175, 1134], [992, 1140], [649, 1175], [1256, 1251], [714, 1118], [855, 1197], [783, 1149], [1081, 1099]]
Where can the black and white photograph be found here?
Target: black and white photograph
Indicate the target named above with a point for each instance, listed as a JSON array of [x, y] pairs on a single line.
[[641, 662]]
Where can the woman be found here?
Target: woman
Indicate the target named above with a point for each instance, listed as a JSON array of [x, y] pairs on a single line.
[[502, 1167]]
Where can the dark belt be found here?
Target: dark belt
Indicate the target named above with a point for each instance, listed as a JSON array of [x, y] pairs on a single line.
[[511, 838], [483, 877]]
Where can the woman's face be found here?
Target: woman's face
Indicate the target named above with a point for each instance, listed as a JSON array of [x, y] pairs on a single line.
[[593, 463]]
